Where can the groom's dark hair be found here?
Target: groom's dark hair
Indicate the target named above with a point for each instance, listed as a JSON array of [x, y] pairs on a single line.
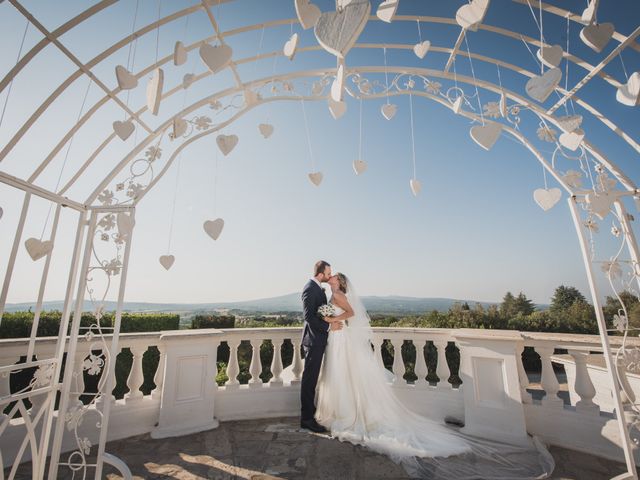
[[320, 266]]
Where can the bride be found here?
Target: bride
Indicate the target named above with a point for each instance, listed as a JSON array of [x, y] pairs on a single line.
[[357, 404]]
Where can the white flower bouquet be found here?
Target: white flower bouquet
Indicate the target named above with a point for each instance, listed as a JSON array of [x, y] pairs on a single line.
[[327, 310]]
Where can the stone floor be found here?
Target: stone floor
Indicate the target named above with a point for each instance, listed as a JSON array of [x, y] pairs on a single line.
[[277, 449]]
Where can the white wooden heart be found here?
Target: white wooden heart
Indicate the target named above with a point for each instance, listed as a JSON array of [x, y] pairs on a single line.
[[486, 135], [316, 178], [125, 224], [187, 80], [213, 228], [126, 81], [387, 9], [179, 127], [546, 199], [37, 248], [123, 129], [389, 110], [215, 58], [167, 261], [415, 186], [568, 123], [338, 84], [629, 93], [600, 204], [359, 166], [154, 91], [338, 31], [589, 13], [337, 109], [457, 104], [250, 97], [572, 140], [226, 143], [291, 46], [540, 87], [597, 35], [421, 49], [266, 129], [471, 15], [179, 54], [308, 13], [551, 56], [502, 104]]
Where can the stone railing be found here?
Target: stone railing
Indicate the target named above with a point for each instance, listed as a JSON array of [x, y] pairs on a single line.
[[494, 400]]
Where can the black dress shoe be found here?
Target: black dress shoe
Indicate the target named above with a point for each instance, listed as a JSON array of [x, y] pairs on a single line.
[[313, 426]]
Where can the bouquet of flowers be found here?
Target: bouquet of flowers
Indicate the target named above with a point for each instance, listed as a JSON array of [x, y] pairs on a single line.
[[327, 310]]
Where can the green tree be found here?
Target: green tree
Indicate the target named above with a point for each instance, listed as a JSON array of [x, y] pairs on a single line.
[[523, 305], [564, 297], [507, 307]]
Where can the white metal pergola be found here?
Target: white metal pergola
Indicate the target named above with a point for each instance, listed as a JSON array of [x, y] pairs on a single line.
[[110, 208]]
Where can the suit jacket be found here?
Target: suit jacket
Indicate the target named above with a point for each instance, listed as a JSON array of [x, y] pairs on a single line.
[[316, 330]]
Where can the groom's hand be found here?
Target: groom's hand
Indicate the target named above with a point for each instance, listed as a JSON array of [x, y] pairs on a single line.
[[336, 326]]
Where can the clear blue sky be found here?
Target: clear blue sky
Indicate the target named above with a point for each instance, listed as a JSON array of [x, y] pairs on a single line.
[[474, 232]]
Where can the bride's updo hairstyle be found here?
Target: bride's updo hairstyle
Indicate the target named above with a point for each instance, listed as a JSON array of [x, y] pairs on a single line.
[[342, 280]]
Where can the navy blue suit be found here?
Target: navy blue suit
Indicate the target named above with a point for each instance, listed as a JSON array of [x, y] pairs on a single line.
[[314, 342]]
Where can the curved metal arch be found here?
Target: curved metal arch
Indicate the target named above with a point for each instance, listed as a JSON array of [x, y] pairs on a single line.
[[624, 180], [517, 69], [426, 19]]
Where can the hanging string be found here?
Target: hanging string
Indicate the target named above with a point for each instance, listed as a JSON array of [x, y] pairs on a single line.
[[499, 77], [173, 208], [386, 72], [306, 127], [544, 175], [419, 32], [475, 83], [215, 185], [541, 37], [413, 140], [6, 99], [131, 57], [455, 74], [566, 72], [255, 64], [624, 68], [539, 25], [360, 141], [158, 30], [66, 156]]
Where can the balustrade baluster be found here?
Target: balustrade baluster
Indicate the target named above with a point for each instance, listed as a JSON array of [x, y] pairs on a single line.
[[442, 369], [583, 385], [276, 363], [136, 375], [398, 363], [256, 364], [158, 378], [522, 375], [549, 381], [232, 368], [421, 364]]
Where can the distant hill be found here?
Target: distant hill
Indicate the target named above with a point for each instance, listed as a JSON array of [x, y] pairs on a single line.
[[284, 303]]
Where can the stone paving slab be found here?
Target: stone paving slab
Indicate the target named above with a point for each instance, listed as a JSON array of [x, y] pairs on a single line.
[[270, 449]]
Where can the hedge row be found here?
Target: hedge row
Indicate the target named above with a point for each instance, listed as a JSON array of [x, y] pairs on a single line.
[[213, 321]]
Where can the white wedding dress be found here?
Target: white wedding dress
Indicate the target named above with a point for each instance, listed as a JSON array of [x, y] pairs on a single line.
[[357, 404]]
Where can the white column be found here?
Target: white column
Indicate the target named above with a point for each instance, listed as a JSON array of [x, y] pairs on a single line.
[[276, 363], [136, 375], [256, 364], [522, 374], [158, 378], [232, 367], [421, 364], [398, 363], [296, 367], [442, 368], [549, 381], [583, 386]]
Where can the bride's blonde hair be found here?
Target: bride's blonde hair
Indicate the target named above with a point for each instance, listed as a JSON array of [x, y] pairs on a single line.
[[342, 280]]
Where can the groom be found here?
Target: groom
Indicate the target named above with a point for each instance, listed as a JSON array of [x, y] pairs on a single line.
[[314, 342]]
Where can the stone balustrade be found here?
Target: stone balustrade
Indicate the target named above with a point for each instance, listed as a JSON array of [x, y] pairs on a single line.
[[491, 381]]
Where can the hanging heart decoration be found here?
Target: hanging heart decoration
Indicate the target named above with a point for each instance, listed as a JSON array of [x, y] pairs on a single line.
[[569, 123], [123, 129], [470, 16], [421, 49], [215, 58], [547, 198], [629, 93], [572, 140], [179, 127], [266, 129], [226, 143], [597, 35], [187, 80], [540, 87], [338, 31], [126, 81], [415, 186], [290, 47], [37, 248], [387, 9], [167, 261], [359, 166], [316, 178], [337, 109], [486, 135], [389, 110], [308, 13], [154, 91], [551, 56], [589, 13], [338, 84], [179, 55], [213, 228]]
